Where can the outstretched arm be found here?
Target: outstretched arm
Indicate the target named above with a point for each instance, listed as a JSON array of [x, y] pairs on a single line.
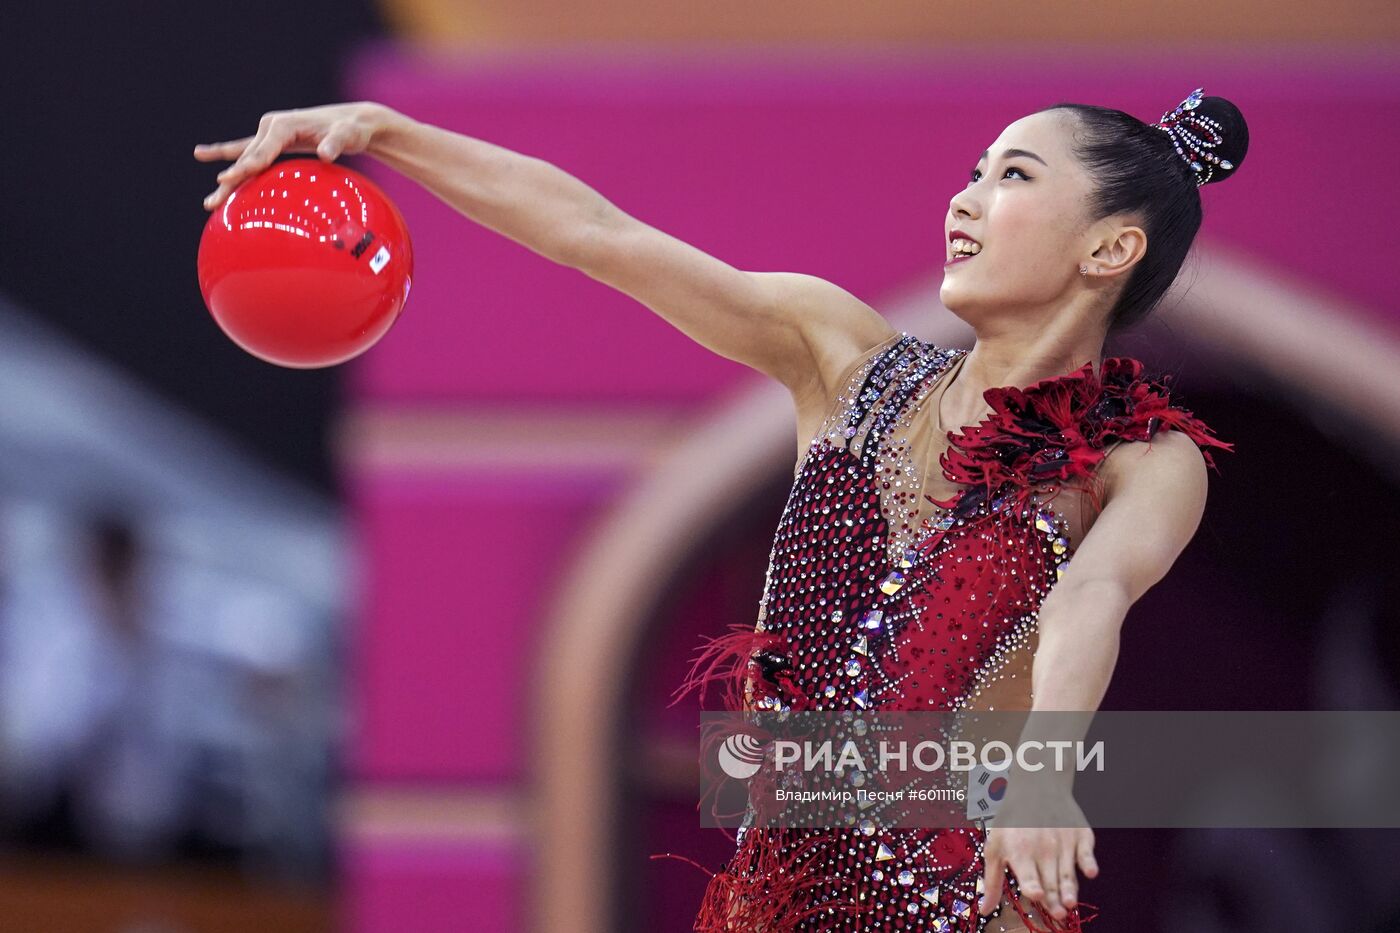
[[799, 329], [1155, 495]]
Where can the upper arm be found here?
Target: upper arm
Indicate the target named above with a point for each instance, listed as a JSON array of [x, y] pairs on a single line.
[[796, 328], [1154, 497]]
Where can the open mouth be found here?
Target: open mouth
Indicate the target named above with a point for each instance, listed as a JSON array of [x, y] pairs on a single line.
[[963, 248]]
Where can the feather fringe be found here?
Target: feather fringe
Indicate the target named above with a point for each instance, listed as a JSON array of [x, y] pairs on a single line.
[[767, 890], [1058, 430], [1074, 923], [729, 660]]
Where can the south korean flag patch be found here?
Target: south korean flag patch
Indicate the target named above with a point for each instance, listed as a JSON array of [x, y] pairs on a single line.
[[985, 791]]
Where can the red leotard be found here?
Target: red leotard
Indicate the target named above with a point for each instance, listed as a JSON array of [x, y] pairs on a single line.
[[865, 608]]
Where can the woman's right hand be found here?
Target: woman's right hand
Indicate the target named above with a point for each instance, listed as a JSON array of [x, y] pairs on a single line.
[[330, 131]]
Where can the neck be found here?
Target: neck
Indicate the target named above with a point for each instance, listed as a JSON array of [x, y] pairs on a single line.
[[1012, 359]]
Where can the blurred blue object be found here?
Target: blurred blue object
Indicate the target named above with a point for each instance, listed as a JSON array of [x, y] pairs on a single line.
[[170, 621]]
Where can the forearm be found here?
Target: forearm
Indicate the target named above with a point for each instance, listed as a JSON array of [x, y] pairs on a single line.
[[1074, 661], [1079, 631], [524, 198]]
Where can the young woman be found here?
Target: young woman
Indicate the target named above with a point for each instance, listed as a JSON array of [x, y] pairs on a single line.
[[893, 584]]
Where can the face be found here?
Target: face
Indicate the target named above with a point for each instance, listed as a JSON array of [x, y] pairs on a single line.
[[1028, 211]]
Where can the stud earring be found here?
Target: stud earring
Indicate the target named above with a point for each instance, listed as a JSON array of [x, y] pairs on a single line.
[[1083, 270]]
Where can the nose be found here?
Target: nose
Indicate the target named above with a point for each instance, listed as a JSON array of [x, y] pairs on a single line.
[[963, 205]]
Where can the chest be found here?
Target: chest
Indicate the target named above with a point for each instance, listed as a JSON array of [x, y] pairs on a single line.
[[901, 467], [1074, 507], [862, 626]]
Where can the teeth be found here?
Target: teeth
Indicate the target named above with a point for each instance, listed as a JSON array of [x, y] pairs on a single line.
[[966, 246]]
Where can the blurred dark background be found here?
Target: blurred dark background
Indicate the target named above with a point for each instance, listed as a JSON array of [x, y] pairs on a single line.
[[171, 699], [100, 197]]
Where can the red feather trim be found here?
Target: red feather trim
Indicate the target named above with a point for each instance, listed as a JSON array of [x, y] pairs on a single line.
[[730, 661], [1074, 923], [1056, 431], [767, 889], [776, 893]]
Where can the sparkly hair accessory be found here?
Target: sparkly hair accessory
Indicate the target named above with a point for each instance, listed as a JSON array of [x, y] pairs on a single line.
[[1183, 125]]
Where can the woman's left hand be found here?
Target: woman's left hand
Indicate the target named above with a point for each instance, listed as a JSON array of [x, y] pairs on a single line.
[[1042, 859]]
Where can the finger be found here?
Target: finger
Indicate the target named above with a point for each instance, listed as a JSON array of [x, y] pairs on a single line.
[[1069, 884], [334, 144], [210, 152], [216, 197], [1047, 866], [255, 158], [993, 882], [1087, 863], [233, 176], [1028, 879], [259, 153]]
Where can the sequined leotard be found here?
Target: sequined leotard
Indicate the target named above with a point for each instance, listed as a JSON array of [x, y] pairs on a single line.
[[867, 607]]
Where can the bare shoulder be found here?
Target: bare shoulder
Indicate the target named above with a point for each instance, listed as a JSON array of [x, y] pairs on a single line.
[[1154, 502], [835, 327], [1169, 469]]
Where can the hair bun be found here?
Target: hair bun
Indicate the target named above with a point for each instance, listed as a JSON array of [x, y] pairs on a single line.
[[1209, 134], [1234, 132]]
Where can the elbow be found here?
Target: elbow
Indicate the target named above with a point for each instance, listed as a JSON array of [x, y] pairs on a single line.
[[1102, 602], [584, 241]]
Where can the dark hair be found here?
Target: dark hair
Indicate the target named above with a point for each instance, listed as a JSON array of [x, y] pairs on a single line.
[[1136, 168]]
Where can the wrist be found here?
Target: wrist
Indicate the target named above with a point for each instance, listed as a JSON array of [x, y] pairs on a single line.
[[388, 127], [1047, 781]]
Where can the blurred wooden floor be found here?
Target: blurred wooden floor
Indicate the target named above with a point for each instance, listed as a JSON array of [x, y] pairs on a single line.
[[64, 894]]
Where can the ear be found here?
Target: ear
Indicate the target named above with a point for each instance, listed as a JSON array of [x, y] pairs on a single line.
[[1119, 251]]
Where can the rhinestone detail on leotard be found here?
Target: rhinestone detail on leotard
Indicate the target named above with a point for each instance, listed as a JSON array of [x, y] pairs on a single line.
[[865, 608]]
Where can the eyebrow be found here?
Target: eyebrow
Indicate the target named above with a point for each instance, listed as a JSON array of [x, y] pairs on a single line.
[[1013, 153]]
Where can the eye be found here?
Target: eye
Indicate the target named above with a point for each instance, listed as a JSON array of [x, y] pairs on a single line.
[[976, 173]]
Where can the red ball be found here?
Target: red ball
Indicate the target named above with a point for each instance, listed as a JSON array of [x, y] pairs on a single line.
[[305, 265]]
